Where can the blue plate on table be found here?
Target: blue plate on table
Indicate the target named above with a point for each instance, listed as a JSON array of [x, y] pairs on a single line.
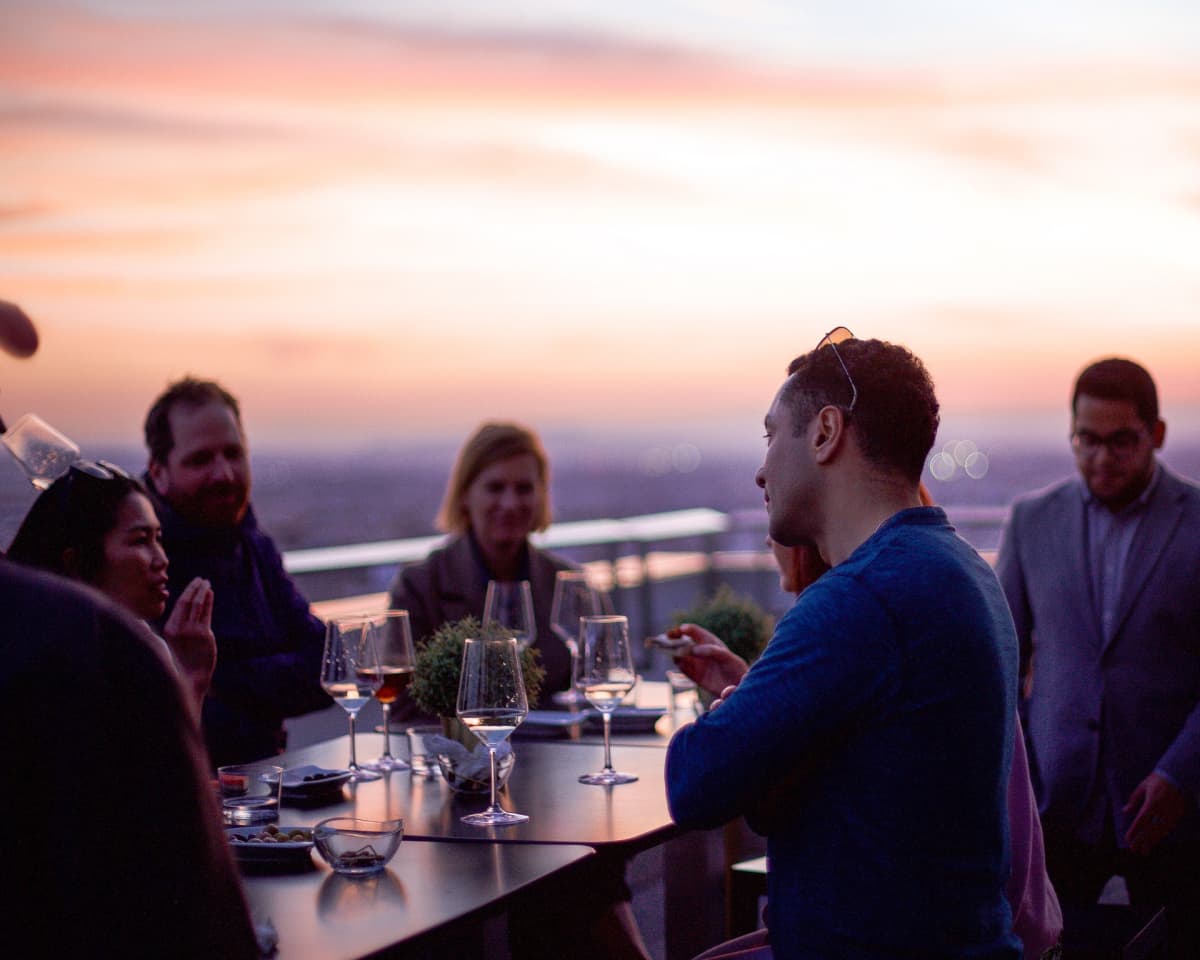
[[629, 719], [547, 724], [312, 785]]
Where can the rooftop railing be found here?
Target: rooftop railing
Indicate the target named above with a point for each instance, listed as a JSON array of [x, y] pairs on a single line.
[[631, 555]]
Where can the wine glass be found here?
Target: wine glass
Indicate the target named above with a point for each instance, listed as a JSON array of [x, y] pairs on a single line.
[[605, 676], [43, 453], [350, 673], [393, 642], [510, 604], [491, 703], [573, 599]]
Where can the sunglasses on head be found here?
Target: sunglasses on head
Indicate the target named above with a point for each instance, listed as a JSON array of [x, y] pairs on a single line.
[[832, 339], [99, 470]]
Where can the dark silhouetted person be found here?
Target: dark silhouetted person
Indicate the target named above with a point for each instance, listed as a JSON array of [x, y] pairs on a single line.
[[112, 843]]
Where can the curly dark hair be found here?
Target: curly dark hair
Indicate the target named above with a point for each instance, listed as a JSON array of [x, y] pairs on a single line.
[[74, 513], [895, 415], [190, 392]]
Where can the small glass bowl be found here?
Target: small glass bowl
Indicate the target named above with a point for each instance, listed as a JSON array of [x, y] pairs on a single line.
[[354, 847]]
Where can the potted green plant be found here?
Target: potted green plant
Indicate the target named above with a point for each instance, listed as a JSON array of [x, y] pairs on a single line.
[[739, 621], [435, 691]]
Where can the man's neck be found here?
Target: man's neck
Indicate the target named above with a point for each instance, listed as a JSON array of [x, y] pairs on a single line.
[[857, 509]]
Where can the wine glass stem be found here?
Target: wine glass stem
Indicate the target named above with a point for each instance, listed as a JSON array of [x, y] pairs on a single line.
[[492, 764], [387, 723], [353, 754], [607, 744]]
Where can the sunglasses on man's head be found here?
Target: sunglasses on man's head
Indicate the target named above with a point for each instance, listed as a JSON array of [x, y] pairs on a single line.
[[832, 339]]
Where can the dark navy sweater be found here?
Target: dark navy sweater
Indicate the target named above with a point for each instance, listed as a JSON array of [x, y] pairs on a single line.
[[871, 744]]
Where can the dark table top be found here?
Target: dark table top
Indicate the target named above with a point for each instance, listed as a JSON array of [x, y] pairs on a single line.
[[427, 886], [544, 785]]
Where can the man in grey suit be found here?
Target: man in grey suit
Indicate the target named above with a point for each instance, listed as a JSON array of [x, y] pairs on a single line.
[[1102, 573]]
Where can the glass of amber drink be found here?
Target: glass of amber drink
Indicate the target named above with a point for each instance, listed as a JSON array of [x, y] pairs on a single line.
[[393, 641]]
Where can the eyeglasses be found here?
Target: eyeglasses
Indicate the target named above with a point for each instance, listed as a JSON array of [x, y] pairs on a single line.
[[99, 470], [832, 339], [1120, 443]]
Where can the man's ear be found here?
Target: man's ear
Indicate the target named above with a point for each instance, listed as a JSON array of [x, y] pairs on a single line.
[[828, 433], [158, 477], [1159, 434]]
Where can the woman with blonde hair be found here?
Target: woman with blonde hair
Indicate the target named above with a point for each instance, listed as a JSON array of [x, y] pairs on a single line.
[[498, 494]]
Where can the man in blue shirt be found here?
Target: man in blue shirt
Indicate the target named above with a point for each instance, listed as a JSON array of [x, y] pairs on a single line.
[[871, 741]]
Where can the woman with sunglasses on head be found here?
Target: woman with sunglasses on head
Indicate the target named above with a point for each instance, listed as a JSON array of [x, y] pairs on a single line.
[[96, 524]]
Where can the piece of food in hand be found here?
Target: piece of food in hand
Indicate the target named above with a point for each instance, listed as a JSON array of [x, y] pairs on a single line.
[[677, 646]]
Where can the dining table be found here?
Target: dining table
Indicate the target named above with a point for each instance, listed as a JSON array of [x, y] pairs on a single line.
[[629, 823], [426, 889], [544, 785], [621, 823]]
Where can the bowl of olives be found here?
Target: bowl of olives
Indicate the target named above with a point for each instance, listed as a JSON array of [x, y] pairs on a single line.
[[273, 844]]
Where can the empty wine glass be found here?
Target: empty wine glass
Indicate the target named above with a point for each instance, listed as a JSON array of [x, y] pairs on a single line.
[[574, 598], [393, 642], [43, 453], [510, 604], [491, 704], [350, 673], [605, 676]]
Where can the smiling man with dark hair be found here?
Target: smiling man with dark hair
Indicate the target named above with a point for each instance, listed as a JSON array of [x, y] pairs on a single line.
[[268, 642]]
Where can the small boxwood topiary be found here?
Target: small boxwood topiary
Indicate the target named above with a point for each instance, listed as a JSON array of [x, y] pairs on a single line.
[[439, 665]]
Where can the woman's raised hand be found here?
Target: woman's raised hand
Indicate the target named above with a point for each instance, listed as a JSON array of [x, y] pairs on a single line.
[[188, 632]]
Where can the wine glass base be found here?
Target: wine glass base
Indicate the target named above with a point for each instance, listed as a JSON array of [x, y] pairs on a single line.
[[606, 778], [387, 765], [494, 818], [361, 775]]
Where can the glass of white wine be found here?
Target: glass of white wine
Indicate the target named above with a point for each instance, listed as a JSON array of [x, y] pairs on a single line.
[[491, 704], [393, 641], [574, 599], [350, 673], [606, 675], [509, 603]]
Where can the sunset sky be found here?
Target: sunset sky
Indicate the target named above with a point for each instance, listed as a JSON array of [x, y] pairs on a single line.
[[380, 221]]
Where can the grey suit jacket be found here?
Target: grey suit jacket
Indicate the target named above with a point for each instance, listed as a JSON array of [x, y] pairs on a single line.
[[1117, 709], [451, 584]]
